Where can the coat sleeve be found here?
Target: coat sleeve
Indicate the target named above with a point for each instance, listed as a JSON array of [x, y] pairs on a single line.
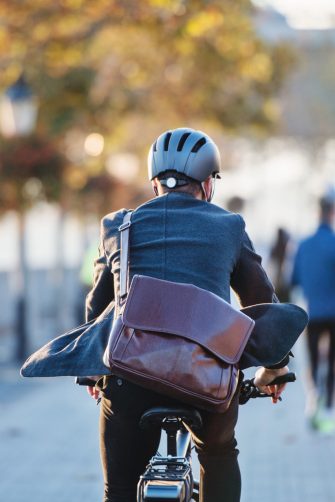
[[102, 292], [251, 283], [249, 279]]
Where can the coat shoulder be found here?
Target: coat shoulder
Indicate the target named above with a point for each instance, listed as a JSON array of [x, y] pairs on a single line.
[[111, 222], [235, 219]]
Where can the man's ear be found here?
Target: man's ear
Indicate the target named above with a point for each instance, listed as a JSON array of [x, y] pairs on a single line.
[[154, 185], [207, 188]]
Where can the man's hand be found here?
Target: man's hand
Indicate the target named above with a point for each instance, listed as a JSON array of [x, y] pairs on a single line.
[[264, 376], [93, 391]]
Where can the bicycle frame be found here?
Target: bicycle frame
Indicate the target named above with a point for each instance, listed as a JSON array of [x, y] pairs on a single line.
[[170, 477]]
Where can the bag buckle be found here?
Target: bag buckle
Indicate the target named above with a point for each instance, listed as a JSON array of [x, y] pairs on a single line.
[[124, 226]]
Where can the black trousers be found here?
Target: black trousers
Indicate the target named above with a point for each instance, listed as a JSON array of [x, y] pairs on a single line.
[[314, 331], [126, 449]]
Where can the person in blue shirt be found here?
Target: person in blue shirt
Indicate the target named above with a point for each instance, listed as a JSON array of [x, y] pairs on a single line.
[[314, 272]]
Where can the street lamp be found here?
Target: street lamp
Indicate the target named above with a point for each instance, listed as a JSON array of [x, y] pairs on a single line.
[[18, 110], [18, 113]]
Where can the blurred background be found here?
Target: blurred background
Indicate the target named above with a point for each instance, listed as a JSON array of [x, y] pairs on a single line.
[[85, 89]]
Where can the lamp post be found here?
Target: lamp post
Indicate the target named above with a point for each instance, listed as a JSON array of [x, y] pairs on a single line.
[[18, 110], [18, 113]]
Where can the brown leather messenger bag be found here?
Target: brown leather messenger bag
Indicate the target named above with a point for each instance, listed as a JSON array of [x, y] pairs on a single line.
[[176, 339]]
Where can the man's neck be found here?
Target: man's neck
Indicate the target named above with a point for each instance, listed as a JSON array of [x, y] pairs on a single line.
[[198, 195]]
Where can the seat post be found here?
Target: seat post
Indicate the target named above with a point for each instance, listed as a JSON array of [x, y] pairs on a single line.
[[171, 427]]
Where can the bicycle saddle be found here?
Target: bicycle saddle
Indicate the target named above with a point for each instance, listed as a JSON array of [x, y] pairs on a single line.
[[157, 415]]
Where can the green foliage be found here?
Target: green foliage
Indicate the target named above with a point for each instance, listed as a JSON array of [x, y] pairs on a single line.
[[128, 70], [94, 63]]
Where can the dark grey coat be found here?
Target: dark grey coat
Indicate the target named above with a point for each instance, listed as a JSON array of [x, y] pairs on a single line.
[[174, 237]]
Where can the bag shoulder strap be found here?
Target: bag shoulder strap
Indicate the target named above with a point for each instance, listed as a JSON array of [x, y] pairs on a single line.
[[124, 254]]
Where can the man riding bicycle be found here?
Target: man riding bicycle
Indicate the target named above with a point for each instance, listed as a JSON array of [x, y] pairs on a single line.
[[180, 236]]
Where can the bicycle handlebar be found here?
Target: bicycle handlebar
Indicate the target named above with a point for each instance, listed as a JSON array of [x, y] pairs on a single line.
[[87, 382], [250, 391], [248, 387], [289, 377]]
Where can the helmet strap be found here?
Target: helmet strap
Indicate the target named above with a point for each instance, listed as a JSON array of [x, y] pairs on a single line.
[[204, 191], [211, 195], [212, 190]]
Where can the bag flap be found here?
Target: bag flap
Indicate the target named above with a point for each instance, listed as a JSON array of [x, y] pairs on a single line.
[[190, 312]]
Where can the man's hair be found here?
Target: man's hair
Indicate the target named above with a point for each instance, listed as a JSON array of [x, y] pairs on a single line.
[[193, 186]]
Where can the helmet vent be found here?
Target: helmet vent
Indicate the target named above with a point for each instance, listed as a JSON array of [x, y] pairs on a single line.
[[182, 141], [198, 145], [167, 141], [155, 147]]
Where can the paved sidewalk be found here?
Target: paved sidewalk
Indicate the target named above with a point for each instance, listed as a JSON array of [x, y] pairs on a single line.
[[281, 459], [49, 445], [49, 441]]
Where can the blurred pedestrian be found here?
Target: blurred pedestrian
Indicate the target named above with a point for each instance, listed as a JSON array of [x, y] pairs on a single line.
[[279, 264], [86, 279], [314, 272]]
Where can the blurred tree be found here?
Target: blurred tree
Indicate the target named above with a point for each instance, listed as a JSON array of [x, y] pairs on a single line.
[[126, 70], [98, 64], [31, 168]]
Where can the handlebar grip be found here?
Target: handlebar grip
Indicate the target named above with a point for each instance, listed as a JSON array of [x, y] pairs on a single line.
[[87, 382], [289, 377]]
